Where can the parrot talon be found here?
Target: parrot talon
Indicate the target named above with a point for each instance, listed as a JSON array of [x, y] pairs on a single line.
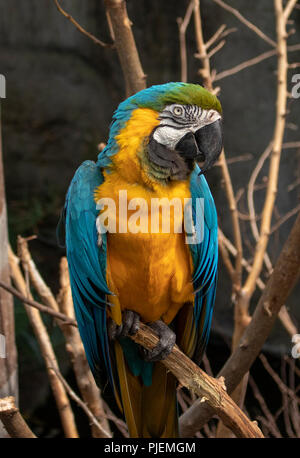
[[167, 339], [130, 325]]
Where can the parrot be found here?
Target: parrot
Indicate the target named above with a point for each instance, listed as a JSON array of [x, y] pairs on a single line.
[[161, 141]]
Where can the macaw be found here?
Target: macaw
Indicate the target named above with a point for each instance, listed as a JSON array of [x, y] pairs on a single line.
[[157, 140]]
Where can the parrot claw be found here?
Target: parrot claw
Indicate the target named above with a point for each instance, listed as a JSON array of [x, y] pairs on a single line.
[[130, 325], [167, 339]]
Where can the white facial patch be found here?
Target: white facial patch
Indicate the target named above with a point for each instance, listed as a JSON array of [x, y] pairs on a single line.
[[177, 120]]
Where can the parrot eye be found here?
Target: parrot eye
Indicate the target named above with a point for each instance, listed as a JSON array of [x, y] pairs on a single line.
[[178, 110]]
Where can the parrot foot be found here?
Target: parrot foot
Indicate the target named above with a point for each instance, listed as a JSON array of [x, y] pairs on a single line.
[[167, 339], [130, 325]]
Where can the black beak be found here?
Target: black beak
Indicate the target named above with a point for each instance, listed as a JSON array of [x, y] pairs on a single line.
[[204, 146]]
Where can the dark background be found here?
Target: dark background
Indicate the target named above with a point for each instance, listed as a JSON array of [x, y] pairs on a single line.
[[62, 90]]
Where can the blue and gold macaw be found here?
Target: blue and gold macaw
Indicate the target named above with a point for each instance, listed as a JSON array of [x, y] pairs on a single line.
[[121, 277]]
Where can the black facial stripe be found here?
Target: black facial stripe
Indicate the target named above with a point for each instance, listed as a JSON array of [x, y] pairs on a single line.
[[182, 122], [173, 127]]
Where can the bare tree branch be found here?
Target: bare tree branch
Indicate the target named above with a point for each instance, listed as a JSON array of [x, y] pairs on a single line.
[[61, 398], [250, 62], [276, 292], [289, 8], [211, 391], [182, 26], [37, 305], [89, 391], [135, 78], [276, 151], [9, 364], [245, 21], [12, 420], [73, 395]]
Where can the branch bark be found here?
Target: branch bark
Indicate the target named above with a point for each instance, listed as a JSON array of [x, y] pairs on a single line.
[[61, 398], [211, 391], [282, 68], [8, 362], [37, 305], [94, 421], [182, 26], [12, 420], [134, 76], [85, 381], [87, 386]]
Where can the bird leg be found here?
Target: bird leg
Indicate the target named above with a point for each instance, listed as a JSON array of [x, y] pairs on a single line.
[[130, 325], [167, 339]]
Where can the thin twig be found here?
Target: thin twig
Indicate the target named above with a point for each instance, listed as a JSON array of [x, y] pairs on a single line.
[[294, 407], [43, 308], [61, 398], [225, 257], [281, 385], [120, 424], [216, 49], [81, 404], [182, 26], [285, 403], [271, 421], [250, 199], [201, 48], [245, 21], [81, 29], [89, 391], [282, 220], [250, 62], [215, 36], [288, 145], [289, 8]]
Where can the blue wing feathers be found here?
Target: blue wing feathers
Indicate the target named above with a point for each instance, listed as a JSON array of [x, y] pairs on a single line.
[[87, 265], [205, 261]]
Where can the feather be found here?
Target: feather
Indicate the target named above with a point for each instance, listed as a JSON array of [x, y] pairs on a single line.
[[87, 267], [193, 323]]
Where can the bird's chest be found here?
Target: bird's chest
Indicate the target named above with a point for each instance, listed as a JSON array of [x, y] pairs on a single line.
[[150, 273], [148, 261]]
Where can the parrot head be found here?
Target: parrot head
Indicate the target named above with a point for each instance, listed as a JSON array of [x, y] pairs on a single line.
[[179, 124]]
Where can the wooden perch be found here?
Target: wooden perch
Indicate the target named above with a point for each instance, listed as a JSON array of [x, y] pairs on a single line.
[[12, 420], [211, 391]]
